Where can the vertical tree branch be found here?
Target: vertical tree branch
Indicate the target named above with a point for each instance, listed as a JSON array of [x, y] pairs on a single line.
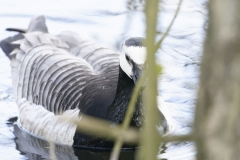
[[218, 107], [150, 137]]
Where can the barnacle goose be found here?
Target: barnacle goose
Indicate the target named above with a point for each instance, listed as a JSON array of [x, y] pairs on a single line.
[[64, 75]]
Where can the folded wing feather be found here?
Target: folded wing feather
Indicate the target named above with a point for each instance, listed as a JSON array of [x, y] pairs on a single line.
[[49, 74]]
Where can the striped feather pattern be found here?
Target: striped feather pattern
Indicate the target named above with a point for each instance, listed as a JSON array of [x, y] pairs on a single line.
[[49, 75]]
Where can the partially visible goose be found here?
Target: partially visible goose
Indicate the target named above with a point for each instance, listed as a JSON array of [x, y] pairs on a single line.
[[66, 75]]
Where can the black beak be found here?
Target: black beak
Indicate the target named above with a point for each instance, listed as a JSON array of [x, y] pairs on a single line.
[[136, 72]]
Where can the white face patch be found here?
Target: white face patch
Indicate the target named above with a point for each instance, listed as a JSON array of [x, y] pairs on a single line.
[[124, 64], [136, 54]]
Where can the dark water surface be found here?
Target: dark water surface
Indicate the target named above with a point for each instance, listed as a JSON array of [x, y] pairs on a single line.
[[108, 22]]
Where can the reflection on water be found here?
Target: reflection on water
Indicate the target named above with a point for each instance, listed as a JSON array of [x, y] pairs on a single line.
[[36, 149], [109, 22]]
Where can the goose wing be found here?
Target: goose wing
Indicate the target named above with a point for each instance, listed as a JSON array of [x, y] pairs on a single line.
[[45, 71], [49, 76], [53, 70]]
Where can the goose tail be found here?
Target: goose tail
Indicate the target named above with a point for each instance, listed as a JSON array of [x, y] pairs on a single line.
[[38, 24], [9, 44]]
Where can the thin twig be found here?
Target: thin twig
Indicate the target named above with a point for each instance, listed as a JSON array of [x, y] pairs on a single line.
[[127, 119], [118, 143], [169, 138], [52, 154], [103, 129], [158, 44], [52, 150]]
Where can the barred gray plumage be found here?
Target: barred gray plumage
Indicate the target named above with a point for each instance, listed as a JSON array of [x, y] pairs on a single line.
[[63, 75]]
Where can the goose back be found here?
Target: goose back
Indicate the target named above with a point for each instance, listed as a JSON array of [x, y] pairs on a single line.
[[59, 75], [54, 75]]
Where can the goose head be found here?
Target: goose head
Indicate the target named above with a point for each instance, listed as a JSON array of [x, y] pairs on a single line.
[[133, 57], [132, 60]]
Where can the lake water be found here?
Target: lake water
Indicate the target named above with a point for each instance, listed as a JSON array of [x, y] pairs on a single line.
[[109, 23]]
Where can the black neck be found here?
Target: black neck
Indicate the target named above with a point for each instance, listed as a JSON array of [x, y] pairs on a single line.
[[116, 111], [124, 91]]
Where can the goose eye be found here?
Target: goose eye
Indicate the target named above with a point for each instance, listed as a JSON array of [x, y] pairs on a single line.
[[127, 57]]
